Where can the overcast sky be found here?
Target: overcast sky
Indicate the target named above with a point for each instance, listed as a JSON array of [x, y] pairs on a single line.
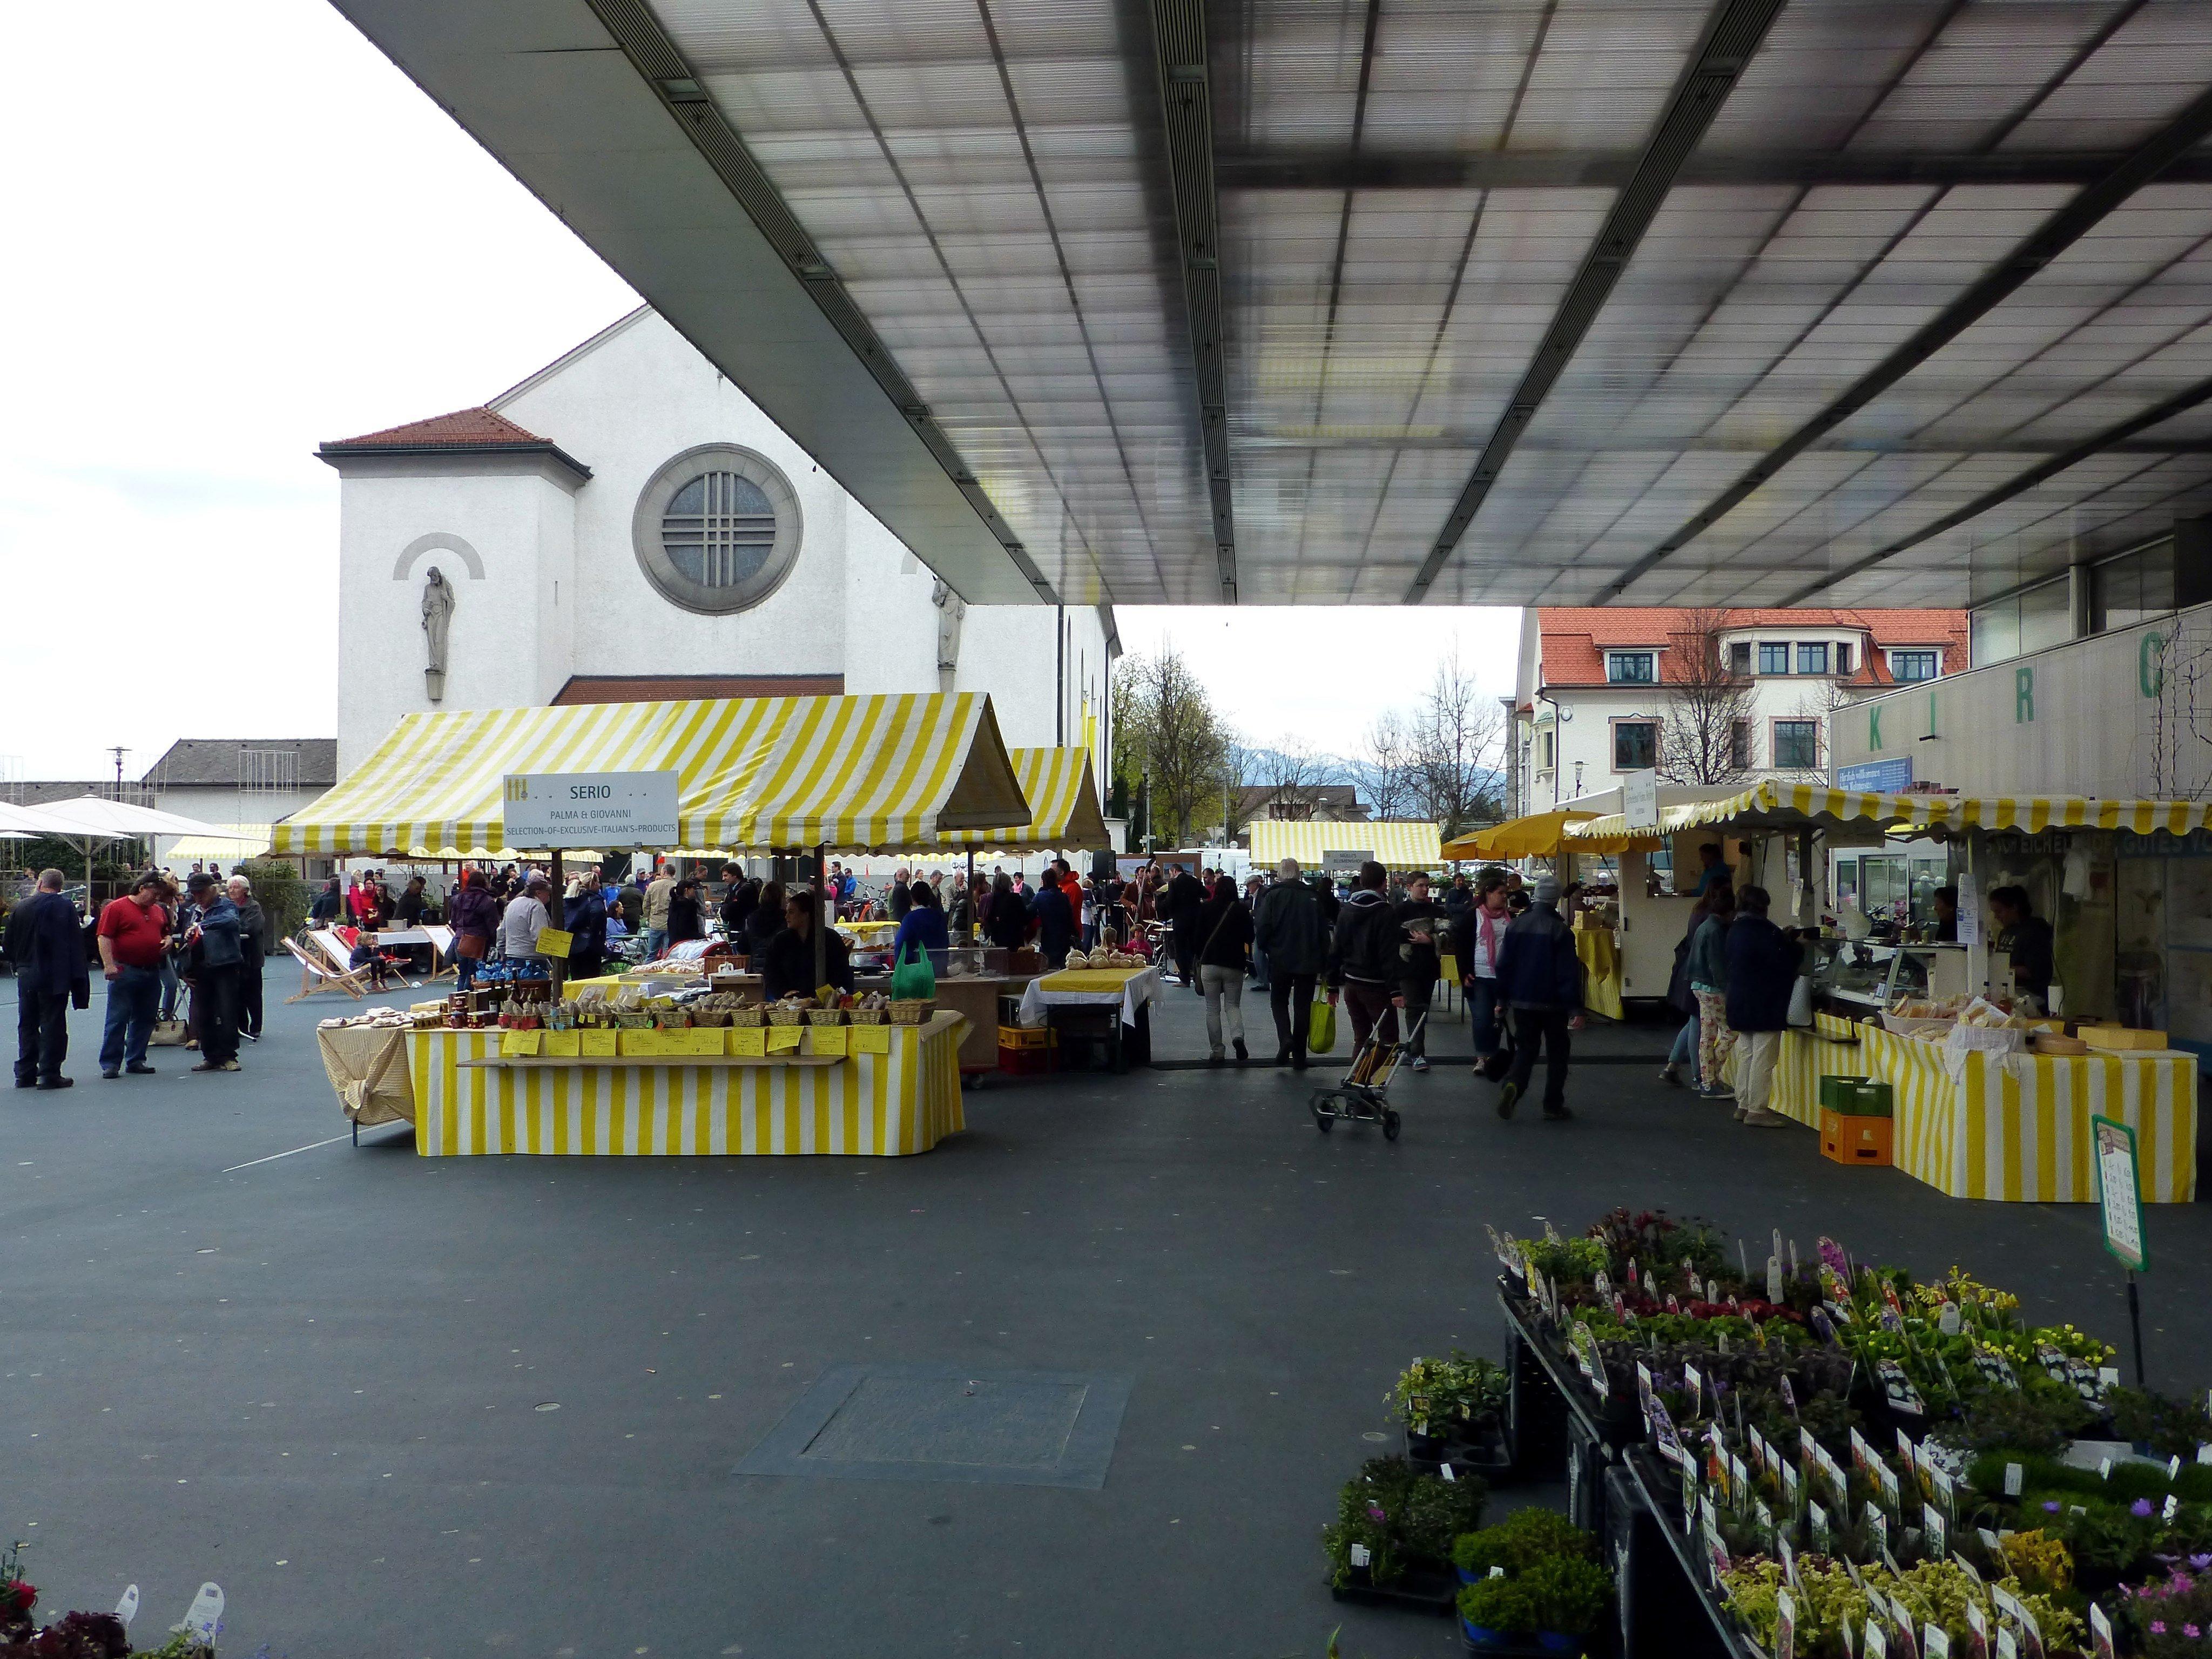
[[260, 235]]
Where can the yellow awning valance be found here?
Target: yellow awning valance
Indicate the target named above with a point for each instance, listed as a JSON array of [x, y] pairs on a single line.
[[1399, 846], [1813, 806], [754, 773], [1536, 835]]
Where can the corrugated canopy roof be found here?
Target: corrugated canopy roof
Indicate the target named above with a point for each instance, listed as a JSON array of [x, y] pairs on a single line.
[[757, 773], [1508, 301]]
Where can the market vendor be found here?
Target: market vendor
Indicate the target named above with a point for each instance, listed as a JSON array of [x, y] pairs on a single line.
[[2026, 938], [786, 965], [1946, 900]]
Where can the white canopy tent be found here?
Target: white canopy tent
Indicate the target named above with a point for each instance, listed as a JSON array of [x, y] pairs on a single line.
[[87, 820]]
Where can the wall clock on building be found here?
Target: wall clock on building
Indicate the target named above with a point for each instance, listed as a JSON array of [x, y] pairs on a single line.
[[717, 529]]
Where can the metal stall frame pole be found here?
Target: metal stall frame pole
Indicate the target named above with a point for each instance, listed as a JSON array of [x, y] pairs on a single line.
[[822, 918], [557, 967], [974, 909]]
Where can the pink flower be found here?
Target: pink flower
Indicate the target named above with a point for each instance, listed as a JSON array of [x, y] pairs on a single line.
[[2192, 1631], [2157, 1627]]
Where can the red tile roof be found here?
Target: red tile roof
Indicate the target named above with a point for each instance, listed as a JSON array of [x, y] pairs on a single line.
[[1575, 638], [465, 428]]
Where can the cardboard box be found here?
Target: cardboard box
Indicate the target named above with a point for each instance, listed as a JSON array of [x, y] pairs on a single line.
[[2119, 1039]]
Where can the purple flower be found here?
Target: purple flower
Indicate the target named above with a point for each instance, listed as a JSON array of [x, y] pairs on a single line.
[[2141, 1508], [1375, 1512], [2200, 1563], [2157, 1627], [2192, 1631], [2050, 1506]]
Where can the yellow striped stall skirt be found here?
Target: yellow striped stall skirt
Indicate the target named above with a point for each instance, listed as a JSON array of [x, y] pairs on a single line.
[[867, 1106], [2016, 1127], [1806, 1057]]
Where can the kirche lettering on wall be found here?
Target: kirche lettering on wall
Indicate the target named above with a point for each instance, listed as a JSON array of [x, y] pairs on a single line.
[[590, 809]]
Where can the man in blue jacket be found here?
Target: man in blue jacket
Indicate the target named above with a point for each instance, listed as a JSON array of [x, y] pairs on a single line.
[[216, 954], [1763, 965], [1540, 979], [46, 945]]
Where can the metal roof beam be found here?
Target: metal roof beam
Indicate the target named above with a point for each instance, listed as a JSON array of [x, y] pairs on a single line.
[[2055, 234], [1732, 34], [1187, 107], [2114, 438], [1370, 169]]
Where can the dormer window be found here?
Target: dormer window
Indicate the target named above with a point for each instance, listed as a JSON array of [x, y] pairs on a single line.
[[1632, 667], [1812, 657]]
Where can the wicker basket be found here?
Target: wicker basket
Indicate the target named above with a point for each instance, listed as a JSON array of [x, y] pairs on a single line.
[[825, 1016], [710, 1017], [629, 1021], [866, 1016], [779, 1015], [672, 1022], [752, 1016], [913, 1012]]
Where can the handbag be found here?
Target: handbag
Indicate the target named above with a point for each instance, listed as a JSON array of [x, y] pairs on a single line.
[[1321, 1028], [167, 1034], [472, 945], [1800, 1002]]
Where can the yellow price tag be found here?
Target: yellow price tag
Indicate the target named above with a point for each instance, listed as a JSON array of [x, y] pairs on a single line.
[[552, 942], [783, 1039], [748, 1040], [599, 1045], [696, 1044], [560, 1043], [827, 1039], [870, 1039], [518, 1044]]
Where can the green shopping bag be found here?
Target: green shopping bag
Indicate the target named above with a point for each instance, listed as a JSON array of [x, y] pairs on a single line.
[[1321, 1028], [913, 979]]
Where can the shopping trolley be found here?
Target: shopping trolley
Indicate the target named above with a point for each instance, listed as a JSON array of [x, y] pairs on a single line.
[[1361, 1097]]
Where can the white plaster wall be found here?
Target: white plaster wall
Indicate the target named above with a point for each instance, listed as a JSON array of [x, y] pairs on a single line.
[[511, 513], [623, 408]]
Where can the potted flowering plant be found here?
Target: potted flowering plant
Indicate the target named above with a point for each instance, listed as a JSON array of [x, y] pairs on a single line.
[[1455, 1411]]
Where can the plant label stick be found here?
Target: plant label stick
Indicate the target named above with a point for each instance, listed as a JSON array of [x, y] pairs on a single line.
[[127, 1608], [1977, 1631], [2100, 1631], [205, 1613], [1934, 1643], [1932, 1529], [1785, 1626], [2013, 1475]]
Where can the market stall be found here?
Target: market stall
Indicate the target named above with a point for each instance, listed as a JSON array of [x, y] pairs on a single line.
[[493, 1070], [1998, 1112]]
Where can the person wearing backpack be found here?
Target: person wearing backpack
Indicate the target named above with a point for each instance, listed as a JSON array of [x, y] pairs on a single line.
[[1363, 965]]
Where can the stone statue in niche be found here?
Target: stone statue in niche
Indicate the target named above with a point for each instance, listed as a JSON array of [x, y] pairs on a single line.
[[438, 598], [951, 610]]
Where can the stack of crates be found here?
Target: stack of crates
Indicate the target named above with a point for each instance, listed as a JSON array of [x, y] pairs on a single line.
[[1026, 1050], [1858, 1120]]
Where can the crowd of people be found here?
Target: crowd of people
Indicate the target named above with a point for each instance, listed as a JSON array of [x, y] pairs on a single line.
[[200, 945]]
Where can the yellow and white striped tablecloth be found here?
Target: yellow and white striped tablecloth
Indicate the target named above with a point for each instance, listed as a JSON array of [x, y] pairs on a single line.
[[2016, 1127], [869, 1106]]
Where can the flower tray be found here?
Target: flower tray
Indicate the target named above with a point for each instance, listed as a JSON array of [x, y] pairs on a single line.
[[1421, 1590]]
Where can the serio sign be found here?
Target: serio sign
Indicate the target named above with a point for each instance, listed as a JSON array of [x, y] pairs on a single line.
[[589, 809]]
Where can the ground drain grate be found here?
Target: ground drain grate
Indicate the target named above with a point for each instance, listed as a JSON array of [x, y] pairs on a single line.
[[944, 1423]]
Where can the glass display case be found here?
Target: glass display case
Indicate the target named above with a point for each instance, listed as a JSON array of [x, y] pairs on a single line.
[[1859, 976]]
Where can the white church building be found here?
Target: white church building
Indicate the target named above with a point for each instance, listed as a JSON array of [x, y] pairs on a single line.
[[626, 525]]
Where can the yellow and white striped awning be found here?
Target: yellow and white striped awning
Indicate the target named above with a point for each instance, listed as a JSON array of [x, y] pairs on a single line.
[[1772, 806], [1063, 797], [1395, 845], [854, 774], [1536, 835], [231, 842]]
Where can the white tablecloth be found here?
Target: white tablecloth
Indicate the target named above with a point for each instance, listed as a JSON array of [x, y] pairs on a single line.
[[1142, 987]]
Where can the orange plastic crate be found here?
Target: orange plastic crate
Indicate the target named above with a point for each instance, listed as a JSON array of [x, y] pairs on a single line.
[[1865, 1140]]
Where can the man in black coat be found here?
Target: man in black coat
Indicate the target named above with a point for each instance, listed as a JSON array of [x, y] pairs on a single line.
[[787, 962], [1186, 897], [1363, 965], [46, 945], [1763, 965], [1422, 922], [1055, 920], [1540, 979], [1287, 927]]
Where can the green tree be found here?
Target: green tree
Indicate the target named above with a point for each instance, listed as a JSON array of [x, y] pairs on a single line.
[[1166, 725]]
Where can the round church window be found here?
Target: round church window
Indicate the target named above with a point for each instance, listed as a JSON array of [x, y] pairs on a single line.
[[717, 529]]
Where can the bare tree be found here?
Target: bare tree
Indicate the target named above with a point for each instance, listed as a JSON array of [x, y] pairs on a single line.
[[1457, 735], [1290, 780], [1706, 703], [1383, 770], [1166, 721], [1238, 762]]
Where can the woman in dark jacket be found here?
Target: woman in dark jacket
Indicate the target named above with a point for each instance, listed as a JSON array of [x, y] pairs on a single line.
[[923, 926], [764, 924], [475, 917], [1224, 933], [685, 920], [1006, 918], [584, 917], [1684, 1001]]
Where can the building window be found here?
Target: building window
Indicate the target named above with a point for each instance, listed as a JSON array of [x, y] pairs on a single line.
[[1842, 659], [2132, 588], [1796, 744], [1635, 745], [717, 529], [1911, 667], [1740, 745], [1773, 657], [1813, 659], [1630, 667], [1545, 740], [1740, 659]]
